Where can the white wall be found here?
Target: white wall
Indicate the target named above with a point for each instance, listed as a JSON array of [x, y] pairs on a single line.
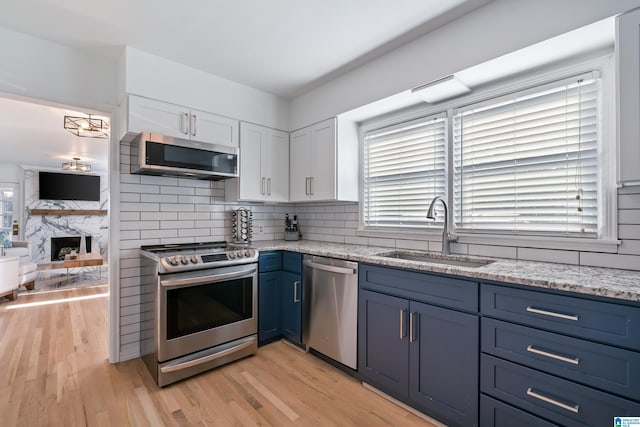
[[155, 77], [486, 33], [36, 68]]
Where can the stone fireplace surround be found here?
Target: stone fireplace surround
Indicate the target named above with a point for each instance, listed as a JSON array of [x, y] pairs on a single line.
[[39, 229]]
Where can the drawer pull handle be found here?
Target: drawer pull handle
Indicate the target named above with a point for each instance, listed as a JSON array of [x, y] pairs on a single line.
[[573, 317], [573, 360], [574, 408]]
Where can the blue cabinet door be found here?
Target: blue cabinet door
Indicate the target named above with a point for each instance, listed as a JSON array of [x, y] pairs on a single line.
[[383, 342], [292, 307], [269, 306], [444, 363]]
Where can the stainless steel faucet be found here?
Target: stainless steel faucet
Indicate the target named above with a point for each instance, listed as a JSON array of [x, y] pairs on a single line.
[[447, 237]]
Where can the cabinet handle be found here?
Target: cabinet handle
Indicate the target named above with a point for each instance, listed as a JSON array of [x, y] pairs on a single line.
[[262, 186], [573, 317], [268, 186], [575, 408], [311, 186], [295, 291], [572, 360], [306, 186], [185, 124], [412, 319], [194, 129], [403, 313]]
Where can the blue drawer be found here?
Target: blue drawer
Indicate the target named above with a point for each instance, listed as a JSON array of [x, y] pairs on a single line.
[[605, 322], [555, 399], [422, 287], [270, 261], [292, 262], [494, 413], [608, 368]]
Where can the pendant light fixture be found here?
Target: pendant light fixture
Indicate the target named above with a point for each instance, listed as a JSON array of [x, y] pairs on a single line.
[[75, 166], [89, 127]]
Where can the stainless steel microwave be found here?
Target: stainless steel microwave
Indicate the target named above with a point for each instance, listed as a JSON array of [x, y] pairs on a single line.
[[154, 154]]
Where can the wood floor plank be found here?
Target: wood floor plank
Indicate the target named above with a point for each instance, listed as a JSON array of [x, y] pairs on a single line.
[[56, 373]]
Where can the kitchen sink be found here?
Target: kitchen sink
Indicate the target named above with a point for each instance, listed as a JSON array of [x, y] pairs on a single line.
[[458, 261]]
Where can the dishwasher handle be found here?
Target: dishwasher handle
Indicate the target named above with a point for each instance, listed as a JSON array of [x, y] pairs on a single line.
[[330, 268]]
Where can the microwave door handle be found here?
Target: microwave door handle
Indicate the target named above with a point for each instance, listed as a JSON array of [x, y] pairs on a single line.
[[213, 278], [184, 124]]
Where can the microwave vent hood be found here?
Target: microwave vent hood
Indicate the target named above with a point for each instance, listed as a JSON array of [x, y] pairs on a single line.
[[154, 154]]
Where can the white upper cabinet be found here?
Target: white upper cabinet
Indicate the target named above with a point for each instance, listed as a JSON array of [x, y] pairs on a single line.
[[149, 115], [264, 166], [628, 96], [324, 163]]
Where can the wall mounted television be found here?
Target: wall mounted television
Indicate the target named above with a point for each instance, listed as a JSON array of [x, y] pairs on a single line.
[[68, 186]]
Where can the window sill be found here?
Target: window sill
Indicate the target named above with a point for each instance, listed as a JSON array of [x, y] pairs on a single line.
[[541, 242], [402, 233]]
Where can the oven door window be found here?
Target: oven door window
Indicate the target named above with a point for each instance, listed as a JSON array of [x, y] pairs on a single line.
[[199, 308]]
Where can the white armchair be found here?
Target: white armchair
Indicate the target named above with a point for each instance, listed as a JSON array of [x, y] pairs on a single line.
[[9, 277], [27, 270]]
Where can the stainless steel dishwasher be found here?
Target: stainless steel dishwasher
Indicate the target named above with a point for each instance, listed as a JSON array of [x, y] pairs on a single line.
[[330, 298]]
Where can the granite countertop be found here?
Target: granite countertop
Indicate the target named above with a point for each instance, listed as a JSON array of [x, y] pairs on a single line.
[[602, 282]]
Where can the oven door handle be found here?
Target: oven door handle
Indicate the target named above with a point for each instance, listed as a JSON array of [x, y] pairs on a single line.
[[196, 362], [208, 279]]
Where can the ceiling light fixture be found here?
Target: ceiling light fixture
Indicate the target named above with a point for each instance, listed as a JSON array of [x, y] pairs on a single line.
[[441, 89], [76, 167], [87, 126]]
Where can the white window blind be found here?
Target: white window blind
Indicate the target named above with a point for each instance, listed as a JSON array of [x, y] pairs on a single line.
[[528, 162], [404, 169]]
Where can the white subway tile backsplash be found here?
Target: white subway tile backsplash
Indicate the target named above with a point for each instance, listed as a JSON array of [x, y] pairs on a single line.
[[629, 232], [139, 207], [416, 245], [129, 216], [185, 191], [386, 243], [158, 234], [629, 201], [129, 197], [546, 255], [158, 198], [629, 247], [493, 251], [353, 240], [629, 216], [627, 262], [167, 216]]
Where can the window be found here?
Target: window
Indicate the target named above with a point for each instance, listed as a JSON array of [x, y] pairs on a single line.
[[6, 208], [528, 162], [404, 168]]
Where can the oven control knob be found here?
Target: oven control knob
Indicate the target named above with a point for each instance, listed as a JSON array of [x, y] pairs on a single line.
[[239, 254], [172, 260], [184, 260], [248, 253], [231, 255], [194, 259]]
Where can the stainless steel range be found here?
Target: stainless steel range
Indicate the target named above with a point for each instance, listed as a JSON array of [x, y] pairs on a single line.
[[199, 308]]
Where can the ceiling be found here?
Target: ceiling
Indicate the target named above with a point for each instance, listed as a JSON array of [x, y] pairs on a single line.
[[33, 135], [285, 47]]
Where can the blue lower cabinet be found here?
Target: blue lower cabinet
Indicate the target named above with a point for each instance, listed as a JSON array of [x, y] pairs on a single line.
[[279, 297], [424, 355], [292, 307], [383, 342], [444, 363], [552, 398], [497, 414], [269, 306]]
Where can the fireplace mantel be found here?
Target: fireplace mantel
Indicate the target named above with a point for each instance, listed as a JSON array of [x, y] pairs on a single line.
[[57, 212]]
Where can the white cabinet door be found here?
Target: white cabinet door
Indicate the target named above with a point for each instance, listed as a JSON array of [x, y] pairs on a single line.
[[207, 127], [300, 161], [323, 161], [275, 165], [628, 92], [251, 178], [148, 115]]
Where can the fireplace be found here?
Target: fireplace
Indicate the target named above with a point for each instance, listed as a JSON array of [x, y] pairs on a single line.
[[60, 246]]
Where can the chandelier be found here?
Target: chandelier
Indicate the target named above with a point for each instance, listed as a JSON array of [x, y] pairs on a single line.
[[76, 167], [87, 126]]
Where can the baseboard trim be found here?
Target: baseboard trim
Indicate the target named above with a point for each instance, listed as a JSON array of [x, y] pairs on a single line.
[[403, 405]]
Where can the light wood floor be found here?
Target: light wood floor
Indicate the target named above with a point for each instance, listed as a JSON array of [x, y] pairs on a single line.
[[54, 372]]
